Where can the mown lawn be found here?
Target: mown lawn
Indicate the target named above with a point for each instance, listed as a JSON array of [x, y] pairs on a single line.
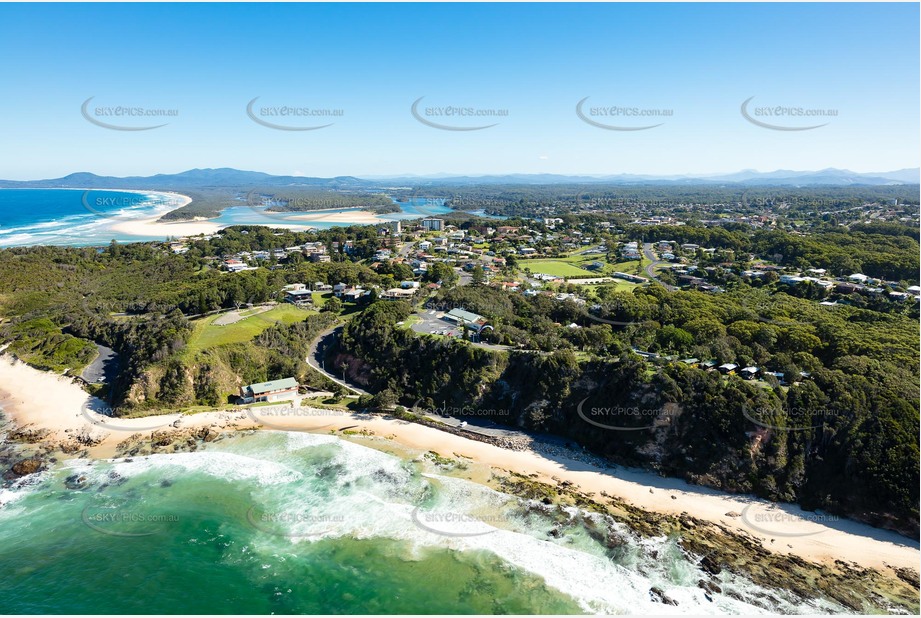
[[557, 268], [580, 256], [626, 266], [207, 335], [629, 266], [618, 284], [574, 266], [320, 298]]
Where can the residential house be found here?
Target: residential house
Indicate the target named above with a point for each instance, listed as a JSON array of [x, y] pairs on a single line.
[[749, 373], [353, 294], [299, 297], [397, 294]]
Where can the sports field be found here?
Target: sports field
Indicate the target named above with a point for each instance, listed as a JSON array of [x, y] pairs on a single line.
[[557, 268], [574, 266]]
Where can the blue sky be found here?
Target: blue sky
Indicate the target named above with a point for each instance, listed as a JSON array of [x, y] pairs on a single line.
[[372, 61]]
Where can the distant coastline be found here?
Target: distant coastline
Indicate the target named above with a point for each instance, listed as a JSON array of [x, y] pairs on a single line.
[[155, 226], [73, 220], [80, 225]]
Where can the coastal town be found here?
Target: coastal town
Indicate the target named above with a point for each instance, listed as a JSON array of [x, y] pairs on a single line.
[[580, 262], [535, 309], [593, 339]]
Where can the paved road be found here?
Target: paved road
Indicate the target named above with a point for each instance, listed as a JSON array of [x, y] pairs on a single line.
[[405, 249], [318, 350], [650, 269], [104, 367]]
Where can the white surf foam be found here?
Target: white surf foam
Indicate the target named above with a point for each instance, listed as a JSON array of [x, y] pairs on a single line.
[[227, 466]]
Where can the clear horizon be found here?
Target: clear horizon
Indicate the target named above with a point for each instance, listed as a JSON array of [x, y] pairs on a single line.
[[570, 89]]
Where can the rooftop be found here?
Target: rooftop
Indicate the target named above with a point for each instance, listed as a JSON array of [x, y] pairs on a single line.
[[272, 385], [466, 316]]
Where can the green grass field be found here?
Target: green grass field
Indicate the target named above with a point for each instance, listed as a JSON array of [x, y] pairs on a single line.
[[557, 268], [619, 285], [320, 298], [208, 335], [630, 266], [574, 266], [579, 256]]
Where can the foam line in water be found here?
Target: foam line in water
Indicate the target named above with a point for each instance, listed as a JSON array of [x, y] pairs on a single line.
[[226, 466]]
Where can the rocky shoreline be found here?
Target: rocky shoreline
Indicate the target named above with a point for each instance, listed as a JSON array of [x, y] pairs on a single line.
[[24, 451], [715, 548]]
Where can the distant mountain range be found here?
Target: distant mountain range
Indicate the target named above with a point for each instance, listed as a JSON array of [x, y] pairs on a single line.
[[191, 179], [228, 177], [830, 176]]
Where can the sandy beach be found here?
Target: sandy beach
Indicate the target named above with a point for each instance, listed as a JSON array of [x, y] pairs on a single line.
[[153, 226], [149, 223], [65, 409], [351, 217]]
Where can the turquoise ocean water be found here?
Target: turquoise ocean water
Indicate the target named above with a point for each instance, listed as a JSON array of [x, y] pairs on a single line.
[[80, 218], [281, 522]]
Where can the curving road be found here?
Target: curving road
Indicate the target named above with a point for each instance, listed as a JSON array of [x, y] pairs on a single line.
[[103, 368], [318, 350], [650, 268]]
